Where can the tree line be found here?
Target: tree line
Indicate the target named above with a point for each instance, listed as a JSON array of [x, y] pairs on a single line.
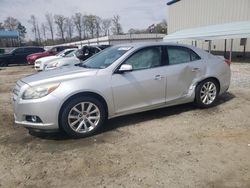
[[58, 28]]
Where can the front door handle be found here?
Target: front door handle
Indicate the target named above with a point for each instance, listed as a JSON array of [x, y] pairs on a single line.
[[196, 69], [158, 77]]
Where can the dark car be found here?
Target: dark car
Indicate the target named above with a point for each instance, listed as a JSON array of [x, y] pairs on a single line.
[[18, 55], [87, 51], [53, 51]]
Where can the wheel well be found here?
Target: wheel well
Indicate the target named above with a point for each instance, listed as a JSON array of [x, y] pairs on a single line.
[[212, 78], [91, 94]]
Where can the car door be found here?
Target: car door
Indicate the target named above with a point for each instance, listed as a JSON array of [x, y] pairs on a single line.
[[184, 68], [144, 86], [18, 56]]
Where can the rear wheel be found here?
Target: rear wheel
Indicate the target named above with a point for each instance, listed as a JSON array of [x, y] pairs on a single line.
[[206, 93], [82, 117]]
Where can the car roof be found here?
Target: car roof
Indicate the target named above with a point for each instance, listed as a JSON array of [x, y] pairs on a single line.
[[29, 47], [144, 44], [138, 45]]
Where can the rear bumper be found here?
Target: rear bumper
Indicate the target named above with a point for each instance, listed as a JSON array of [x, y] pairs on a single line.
[[225, 80]]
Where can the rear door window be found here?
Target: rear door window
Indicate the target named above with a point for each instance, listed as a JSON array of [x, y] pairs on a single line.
[[178, 55]]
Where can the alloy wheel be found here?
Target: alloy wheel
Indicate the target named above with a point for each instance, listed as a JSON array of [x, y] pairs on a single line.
[[84, 117], [208, 93]]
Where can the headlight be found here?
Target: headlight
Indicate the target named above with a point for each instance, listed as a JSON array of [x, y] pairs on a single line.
[[39, 91]]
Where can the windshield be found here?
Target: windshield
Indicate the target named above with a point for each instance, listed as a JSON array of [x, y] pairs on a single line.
[[71, 54], [105, 58]]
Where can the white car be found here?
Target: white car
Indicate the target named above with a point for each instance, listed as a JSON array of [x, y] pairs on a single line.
[[41, 63], [70, 60], [76, 57]]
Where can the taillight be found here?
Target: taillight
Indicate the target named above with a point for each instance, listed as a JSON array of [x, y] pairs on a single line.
[[227, 62]]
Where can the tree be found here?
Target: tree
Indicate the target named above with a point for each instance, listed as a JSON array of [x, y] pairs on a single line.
[[116, 26], [1, 26], [98, 22], [21, 30], [161, 27], [33, 23], [38, 34], [91, 24], [78, 21], [106, 24], [69, 28], [60, 22], [44, 31], [50, 22], [11, 24]]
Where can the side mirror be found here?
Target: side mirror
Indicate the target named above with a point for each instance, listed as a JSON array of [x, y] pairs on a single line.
[[125, 68]]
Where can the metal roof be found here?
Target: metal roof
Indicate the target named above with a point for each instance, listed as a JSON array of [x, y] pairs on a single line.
[[212, 32], [8, 34]]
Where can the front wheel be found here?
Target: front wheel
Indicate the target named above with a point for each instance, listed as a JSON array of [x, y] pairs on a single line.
[[207, 93], [82, 117], [3, 64]]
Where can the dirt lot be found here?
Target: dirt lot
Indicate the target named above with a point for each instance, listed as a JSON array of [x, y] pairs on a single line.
[[173, 147]]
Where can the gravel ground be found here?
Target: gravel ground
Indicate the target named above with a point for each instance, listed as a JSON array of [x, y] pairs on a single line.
[[178, 146]]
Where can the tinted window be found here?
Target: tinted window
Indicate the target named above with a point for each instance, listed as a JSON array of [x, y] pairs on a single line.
[[34, 50], [177, 55], [19, 51], [95, 50], [59, 49], [145, 58]]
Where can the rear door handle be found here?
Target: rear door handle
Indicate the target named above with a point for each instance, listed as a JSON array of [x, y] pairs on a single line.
[[158, 77], [196, 69]]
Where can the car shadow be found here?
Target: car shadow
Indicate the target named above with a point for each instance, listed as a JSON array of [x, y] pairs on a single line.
[[137, 118]]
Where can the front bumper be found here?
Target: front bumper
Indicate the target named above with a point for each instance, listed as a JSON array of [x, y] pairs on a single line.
[[46, 108]]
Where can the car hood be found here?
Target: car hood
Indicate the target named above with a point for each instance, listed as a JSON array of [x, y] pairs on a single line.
[[43, 59], [58, 75], [39, 54], [65, 60]]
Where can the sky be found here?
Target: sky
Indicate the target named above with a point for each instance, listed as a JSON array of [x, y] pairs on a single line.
[[134, 13]]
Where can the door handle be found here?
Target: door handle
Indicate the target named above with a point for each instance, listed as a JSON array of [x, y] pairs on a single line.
[[196, 69], [158, 77]]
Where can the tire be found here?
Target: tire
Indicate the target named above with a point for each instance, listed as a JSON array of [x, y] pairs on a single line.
[[3, 64], [82, 117], [207, 93]]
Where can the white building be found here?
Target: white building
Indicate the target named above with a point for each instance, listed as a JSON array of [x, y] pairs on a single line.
[[186, 14]]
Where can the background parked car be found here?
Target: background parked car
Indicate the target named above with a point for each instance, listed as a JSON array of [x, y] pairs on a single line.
[[53, 51], [41, 63], [18, 55], [76, 57], [2, 51]]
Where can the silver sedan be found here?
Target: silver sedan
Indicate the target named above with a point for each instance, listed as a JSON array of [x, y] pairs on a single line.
[[120, 80]]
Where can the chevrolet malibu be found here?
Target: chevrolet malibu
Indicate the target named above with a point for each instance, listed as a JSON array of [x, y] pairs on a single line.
[[120, 80]]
